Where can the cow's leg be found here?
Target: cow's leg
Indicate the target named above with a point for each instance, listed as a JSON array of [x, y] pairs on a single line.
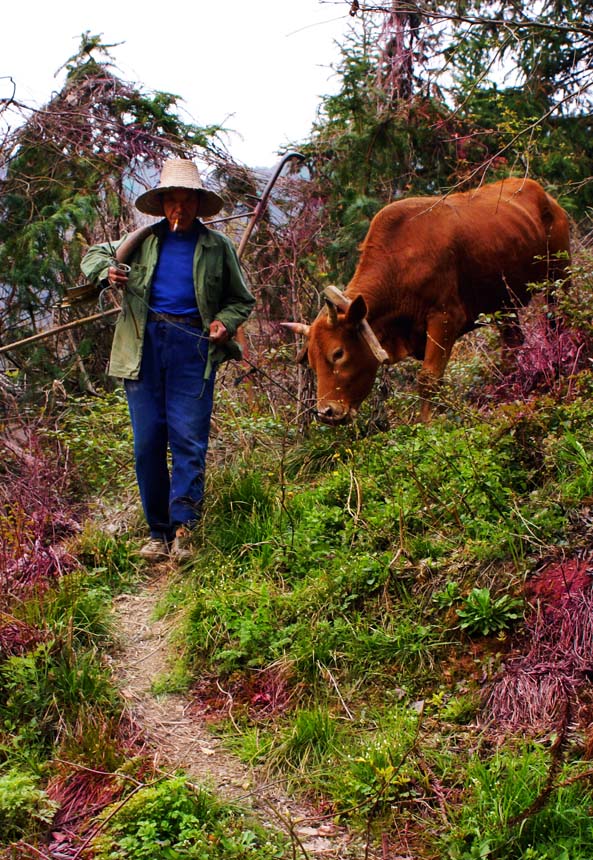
[[441, 333]]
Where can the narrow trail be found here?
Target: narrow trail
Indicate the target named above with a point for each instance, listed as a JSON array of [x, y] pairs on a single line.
[[179, 740]]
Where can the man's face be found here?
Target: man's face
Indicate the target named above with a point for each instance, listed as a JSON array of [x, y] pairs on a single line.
[[181, 207]]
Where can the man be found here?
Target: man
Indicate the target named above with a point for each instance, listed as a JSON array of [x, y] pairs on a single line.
[[183, 300]]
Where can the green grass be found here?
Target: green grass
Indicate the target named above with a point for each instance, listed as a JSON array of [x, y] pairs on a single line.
[[48, 691], [112, 560], [77, 609], [348, 570], [504, 786], [354, 595], [381, 579]]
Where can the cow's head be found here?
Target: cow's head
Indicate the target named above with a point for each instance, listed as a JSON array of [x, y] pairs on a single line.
[[344, 353]]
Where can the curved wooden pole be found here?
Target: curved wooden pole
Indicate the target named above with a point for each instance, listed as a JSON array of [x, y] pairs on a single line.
[[263, 200]]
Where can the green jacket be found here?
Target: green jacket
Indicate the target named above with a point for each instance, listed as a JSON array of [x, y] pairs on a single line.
[[221, 294]]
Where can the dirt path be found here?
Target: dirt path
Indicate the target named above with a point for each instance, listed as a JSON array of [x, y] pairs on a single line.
[[181, 741]]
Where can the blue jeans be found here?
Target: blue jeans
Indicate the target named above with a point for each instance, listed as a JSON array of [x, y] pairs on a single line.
[[170, 406]]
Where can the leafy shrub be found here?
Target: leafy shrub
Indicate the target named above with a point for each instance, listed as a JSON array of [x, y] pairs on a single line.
[[461, 709], [172, 819], [450, 595], [98, 436], [25, 809], [235, 625]]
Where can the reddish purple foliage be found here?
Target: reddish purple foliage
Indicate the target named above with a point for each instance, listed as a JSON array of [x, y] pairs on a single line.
[[36, 514], [541, 682], [547, 357], [16, 637], [262, 694], [84, 792]]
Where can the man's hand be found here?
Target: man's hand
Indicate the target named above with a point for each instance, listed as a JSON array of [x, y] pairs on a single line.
[[217, 332], [117, 277]]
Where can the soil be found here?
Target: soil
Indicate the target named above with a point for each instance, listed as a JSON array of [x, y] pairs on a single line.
[[180, 738]]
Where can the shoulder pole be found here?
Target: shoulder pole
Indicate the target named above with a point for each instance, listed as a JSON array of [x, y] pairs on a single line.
[[58, 329]]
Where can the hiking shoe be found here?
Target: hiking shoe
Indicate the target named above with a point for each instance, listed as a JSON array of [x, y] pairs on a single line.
[[182, 548], [155, 550]]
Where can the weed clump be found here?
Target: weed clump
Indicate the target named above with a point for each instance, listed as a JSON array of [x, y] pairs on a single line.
[[183, 820], [24, 807]]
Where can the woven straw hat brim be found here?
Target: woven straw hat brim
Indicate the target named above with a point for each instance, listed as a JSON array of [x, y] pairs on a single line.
[[151, 202], [179, 173]]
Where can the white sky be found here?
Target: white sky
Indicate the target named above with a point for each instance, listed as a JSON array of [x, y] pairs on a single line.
[[259, 68]]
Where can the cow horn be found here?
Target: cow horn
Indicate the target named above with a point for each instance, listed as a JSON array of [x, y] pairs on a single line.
[[297, 328], [338, 298], [332, 312]]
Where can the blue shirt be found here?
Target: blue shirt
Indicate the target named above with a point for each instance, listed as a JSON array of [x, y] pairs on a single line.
[[172, 289]]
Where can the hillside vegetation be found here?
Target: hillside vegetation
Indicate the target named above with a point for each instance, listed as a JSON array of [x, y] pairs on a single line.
[[394, 623]]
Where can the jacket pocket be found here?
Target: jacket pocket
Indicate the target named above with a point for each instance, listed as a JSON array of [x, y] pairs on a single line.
[[137, 279]]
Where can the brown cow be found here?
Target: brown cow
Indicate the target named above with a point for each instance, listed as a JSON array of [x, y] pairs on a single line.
[[429, 266]]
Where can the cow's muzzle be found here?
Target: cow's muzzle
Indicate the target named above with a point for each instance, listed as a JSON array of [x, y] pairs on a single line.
[[335, 413]]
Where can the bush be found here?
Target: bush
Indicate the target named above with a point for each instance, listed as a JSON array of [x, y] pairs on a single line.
[[98, 436], [173, 819], [25, 809]]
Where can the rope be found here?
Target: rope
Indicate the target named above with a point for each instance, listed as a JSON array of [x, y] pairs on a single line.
[[253, 368]]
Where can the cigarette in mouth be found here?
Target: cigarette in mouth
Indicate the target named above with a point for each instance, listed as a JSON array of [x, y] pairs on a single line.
[[175, 223]]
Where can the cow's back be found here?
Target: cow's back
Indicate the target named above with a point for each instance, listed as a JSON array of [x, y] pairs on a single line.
[[478, 249]]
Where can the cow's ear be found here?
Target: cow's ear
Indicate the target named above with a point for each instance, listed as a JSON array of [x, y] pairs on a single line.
[[357, 311]]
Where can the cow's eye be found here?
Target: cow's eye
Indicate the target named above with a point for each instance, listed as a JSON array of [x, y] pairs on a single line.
[[337, 354]]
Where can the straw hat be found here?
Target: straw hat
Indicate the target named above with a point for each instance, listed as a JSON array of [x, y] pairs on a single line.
[[179, 173]]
